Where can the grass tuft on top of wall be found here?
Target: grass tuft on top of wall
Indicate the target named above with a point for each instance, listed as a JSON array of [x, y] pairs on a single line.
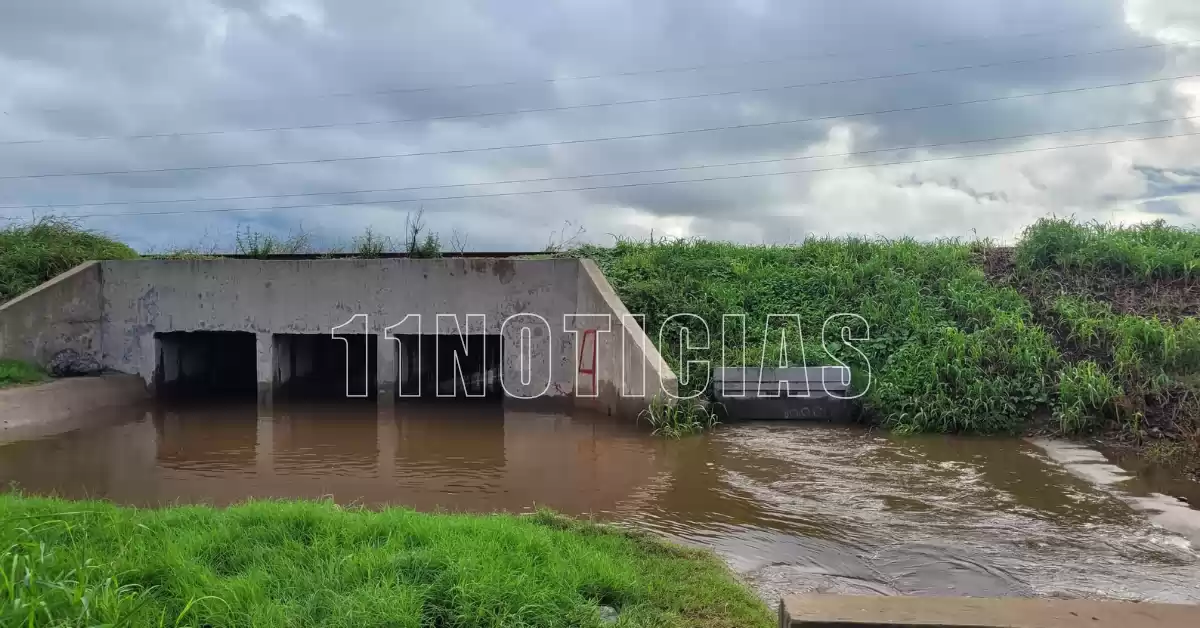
[[33, 253], [277, 563]]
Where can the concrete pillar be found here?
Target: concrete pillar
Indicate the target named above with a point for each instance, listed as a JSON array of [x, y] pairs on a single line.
[[265, 361], [283, 360], [386, 371], [147, 351], [171, 366]]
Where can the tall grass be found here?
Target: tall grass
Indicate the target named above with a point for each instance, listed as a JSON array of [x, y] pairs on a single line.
[[1086, 395], [948, 350], [1153, 250], [679, 418], [268, 564], [33, 253]]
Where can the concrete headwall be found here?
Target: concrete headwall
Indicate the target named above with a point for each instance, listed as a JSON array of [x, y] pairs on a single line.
[[144, 297], [114, 309], [629, 370], [63, 313]]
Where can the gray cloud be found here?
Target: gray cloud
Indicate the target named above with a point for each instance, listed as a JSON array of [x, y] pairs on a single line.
[[137, 66]]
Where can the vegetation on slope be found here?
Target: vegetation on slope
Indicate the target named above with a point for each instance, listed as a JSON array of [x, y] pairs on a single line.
[[33, 253], [948, 351], [1122, 305], [315, 564], [1093, 325]]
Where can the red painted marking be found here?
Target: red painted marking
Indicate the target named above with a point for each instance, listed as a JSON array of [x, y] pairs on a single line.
[[583, 346]]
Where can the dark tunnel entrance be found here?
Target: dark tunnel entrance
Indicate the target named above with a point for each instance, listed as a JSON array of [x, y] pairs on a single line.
[[320, 366], [427, 366], [206, 363]]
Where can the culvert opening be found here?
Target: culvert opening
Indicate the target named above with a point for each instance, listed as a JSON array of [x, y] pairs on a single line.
[[428, 366], [206, 363], [320, 366]]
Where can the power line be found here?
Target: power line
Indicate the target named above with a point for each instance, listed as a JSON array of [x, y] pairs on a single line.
[[660, 70], [635, 185], [641, 101], [605, 174], [592, 140]]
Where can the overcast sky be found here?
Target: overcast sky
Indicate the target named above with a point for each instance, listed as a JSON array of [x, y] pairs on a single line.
[[79, 77]]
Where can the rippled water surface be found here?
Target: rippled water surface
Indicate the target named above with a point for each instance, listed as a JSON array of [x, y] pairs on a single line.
[[792, 507]]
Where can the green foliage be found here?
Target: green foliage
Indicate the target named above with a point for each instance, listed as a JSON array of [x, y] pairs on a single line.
[[1138, 349], [16, 372], [1086, 394], [679, 418], [34, 253], [1153, 250], [314, 564], [947, 350]]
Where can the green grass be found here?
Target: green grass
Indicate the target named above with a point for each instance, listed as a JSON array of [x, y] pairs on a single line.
[[1128, 367], [16, 372], [1153, 250], [34, 253], [948, 351], [679, 418], [300, 564]]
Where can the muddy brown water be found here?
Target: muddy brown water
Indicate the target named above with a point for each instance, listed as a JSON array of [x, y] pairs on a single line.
[[792, 508]]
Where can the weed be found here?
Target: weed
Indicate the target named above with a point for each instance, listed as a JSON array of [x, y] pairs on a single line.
[[1086, 394], [679, 418], [260, 244], [414, 244], [371, 245], [16, 372]]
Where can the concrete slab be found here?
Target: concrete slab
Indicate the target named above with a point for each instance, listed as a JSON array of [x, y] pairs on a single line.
[[58, 405], [963, 612]]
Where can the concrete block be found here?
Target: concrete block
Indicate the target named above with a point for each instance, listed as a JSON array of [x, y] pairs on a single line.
[[963, 612]]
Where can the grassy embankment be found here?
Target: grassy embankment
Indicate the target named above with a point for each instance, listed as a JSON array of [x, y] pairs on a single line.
[[34, 253], [1122, 306], [1091, 325], [316, 564], [948, 350]]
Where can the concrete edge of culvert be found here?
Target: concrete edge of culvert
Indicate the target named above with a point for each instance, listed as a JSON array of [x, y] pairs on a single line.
[[1093, 467], [796, 611], [62, 404]]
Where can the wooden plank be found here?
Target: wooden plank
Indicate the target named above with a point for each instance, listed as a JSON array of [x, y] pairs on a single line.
[[828, 611]]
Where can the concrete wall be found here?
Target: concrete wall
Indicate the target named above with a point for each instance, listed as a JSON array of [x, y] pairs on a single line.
[[115, 308], [63, 313], [144, 297], [629, 369]]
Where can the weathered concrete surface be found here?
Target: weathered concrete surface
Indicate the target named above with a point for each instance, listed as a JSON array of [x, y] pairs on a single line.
[[29, 409], [63, 313], [964, 612], [114, 309], [144, 297], [629, 370]]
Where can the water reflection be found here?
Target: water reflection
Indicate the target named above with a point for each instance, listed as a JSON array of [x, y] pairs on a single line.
[[790, 507]]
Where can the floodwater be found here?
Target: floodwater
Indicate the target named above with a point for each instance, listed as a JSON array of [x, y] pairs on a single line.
[[793, 508]]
